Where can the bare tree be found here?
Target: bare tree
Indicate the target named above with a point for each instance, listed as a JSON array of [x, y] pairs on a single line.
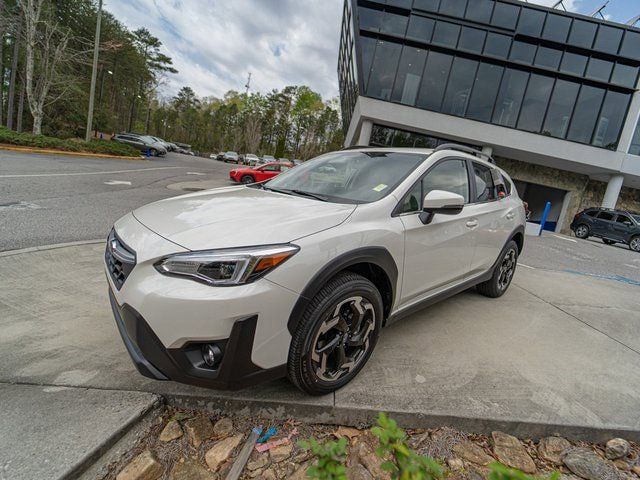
[[253, 132], [45, 54]]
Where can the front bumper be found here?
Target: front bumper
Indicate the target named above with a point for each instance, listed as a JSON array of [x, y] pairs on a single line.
[[153, 360]]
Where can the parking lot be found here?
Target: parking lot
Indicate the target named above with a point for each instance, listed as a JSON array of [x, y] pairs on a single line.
[[559, 352]]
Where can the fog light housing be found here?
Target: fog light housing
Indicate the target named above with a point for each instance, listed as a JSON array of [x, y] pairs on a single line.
[[212, 355]]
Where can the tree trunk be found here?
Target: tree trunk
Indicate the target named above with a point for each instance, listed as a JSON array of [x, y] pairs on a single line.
[[20, 109], [14, 70], [1, 63]]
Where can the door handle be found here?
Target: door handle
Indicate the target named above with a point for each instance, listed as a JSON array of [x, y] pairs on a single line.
[[472, 223], [510, 215]]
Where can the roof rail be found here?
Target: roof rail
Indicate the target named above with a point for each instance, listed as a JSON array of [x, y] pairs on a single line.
[[464, 148]]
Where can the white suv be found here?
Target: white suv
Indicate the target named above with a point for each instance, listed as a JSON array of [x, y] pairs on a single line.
[[296, 276]]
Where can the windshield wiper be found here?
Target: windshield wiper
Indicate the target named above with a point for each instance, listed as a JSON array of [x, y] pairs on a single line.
[[277, 190], [322, 198]]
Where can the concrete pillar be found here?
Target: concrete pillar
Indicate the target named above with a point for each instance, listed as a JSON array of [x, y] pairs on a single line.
[[487, 150], [365, 133], [613, 191]]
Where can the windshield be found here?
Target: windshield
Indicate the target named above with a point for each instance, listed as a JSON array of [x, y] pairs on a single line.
[[349, 177], [232, 154]]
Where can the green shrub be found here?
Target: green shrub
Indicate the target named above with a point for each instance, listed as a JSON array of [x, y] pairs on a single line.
[[331, 458], [106, 147]]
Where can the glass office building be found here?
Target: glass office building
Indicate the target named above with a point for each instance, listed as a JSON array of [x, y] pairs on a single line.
[[446, 67]]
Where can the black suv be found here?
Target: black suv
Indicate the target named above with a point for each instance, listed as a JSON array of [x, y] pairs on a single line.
[[612, 226]]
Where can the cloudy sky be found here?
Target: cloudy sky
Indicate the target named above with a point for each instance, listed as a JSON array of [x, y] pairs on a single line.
[[216, 43]]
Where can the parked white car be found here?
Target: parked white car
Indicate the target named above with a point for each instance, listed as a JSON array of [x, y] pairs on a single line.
[[297, 276]]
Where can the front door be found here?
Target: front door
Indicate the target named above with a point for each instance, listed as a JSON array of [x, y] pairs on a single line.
[[603, 225], [621, 227], [437, 254]]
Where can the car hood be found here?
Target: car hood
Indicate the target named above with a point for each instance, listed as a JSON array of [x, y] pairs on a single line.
[[238, 217]]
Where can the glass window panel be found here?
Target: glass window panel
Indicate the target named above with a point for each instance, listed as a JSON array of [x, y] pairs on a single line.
[[608, 39], [631, 45], [522, 52], [510, 97], [611, 119], [485, 91], [402, 139], [535, 103], [458, 91], [497, 45], [434, 81], [420, 28], [368, 48], [370, 19], [450, 176], [446, 34], [485, 188], [410, 69], [634, 149], [626, 75], [400, 3], [585, 114], [560, 109], [531, 22], [394, 24], [479, 10], [582, 33], [454, 8], [383, 70], [548, 57], [381, 136], [573, 63], [428, 5], [556, 28], [472, 39], [505, 15], [599, 69]]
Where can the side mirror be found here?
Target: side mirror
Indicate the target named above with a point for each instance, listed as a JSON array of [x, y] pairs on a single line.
[[440, 201]]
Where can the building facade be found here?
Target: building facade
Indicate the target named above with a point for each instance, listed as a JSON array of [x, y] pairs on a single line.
[[550, 94]]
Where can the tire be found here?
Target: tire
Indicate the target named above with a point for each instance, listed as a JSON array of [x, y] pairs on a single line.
[[582, 231], [154, 152], [608, 242], [334, 308], [634, 243], [247, 179], [503, 272]]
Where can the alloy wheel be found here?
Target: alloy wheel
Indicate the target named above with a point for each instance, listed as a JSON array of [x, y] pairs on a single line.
[[635, 244], [581, 231], [507, 268], [343, 340]]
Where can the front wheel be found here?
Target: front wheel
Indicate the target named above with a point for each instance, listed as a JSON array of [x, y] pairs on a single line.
[[247, 179], [502, 273], [634, 244], [582, 231], [336, 334]]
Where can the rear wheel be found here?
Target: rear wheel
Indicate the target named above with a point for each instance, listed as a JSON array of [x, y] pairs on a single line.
[[502, 273], [634, 244], [582, 231], [336, 334], [247, 179], [608, 242]]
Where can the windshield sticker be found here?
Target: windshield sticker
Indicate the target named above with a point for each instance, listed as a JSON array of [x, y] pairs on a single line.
[[380, 187]]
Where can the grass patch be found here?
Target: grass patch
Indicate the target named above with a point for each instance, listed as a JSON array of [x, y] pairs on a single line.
[[106, 147]]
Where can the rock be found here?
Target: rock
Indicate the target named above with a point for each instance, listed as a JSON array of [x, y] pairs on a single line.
[[300, 473], [472, 453], [260, 461], [346, 432], [358, 472], [636, 470], [617, 448], [221, 451], [586, 464], [278, 454], [198, 430], [143, 467], [190, 470], [171, 431], [622, 464], [512, 453], [268, 475], [551, 448], [364, 454], [223, 427], [455, 463]]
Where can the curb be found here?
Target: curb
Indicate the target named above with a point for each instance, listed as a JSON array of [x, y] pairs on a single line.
[[359, 417], [10, 253], [65, 152]]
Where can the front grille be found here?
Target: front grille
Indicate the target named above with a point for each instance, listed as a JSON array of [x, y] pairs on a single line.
[[119, 258]]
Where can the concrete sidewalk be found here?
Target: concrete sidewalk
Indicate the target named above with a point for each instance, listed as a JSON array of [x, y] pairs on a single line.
[[558, 353]]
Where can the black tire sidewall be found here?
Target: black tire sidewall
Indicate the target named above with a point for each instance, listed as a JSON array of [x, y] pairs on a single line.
[[244, 177]]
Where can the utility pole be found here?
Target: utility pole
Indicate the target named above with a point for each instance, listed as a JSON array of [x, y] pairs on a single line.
[[94, 74], [248, 84]]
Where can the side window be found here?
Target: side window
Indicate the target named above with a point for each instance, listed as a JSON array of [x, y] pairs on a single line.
[[485, 188], [591, 213], [623, 219], [605, 216], [450, 176], [284, 168], [271, 168]]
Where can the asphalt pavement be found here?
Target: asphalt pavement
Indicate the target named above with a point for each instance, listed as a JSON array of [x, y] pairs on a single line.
[[48, 199]]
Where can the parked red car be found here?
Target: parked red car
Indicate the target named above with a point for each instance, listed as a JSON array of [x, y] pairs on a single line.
[[258, 174]]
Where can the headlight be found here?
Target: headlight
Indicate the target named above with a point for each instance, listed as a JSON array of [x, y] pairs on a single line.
[[226, 267]]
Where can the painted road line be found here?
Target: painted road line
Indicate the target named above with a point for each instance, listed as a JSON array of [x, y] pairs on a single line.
[[117, 182], [88, 173], [195, 173], [566, 239], [527, 266]]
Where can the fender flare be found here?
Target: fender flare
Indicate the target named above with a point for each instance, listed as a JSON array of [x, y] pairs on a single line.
[[378, 256]]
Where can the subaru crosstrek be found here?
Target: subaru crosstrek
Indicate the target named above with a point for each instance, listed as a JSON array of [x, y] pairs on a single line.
[[296, 276]]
